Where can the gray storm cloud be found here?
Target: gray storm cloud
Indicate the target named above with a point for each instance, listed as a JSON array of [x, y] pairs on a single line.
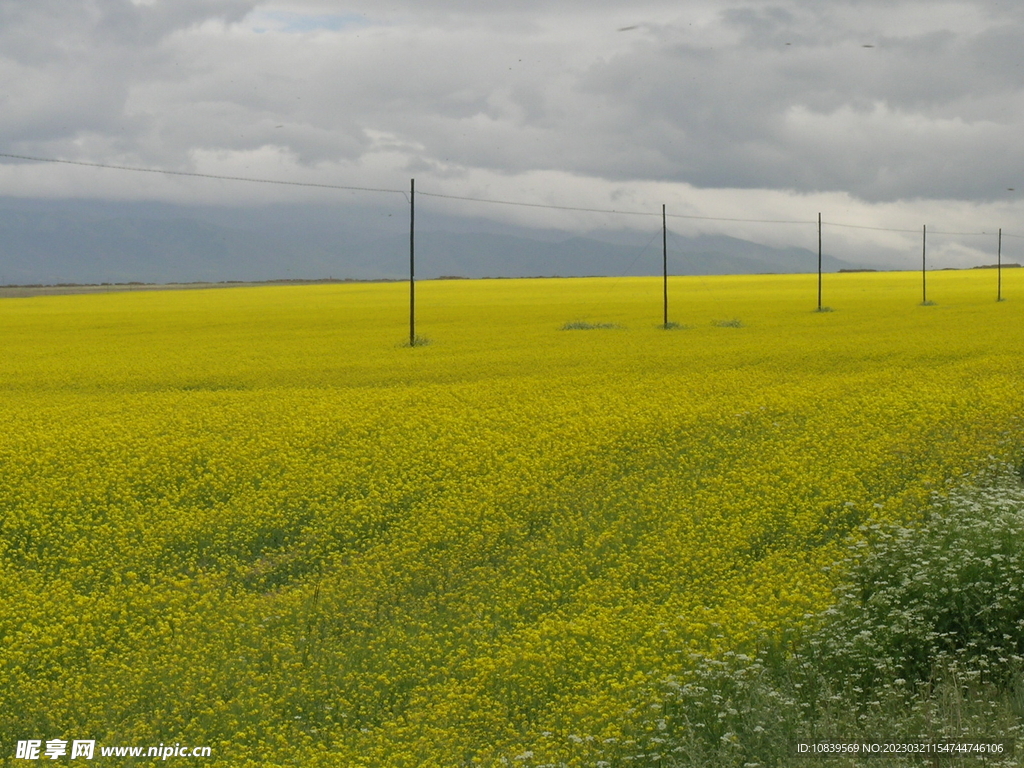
[[881, 101]]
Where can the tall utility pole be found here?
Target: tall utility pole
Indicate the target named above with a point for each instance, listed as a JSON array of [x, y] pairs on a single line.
[[924, 286], [819, 262], [999, 267], [664, 265], [412, 262]]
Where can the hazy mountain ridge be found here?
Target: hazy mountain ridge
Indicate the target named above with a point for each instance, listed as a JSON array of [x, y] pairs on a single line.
[[64, 243]]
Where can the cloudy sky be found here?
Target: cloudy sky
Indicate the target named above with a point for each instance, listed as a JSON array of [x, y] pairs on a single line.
[[878, 114]]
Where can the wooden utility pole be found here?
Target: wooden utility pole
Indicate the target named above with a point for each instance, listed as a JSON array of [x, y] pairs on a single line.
[[412, 262], [924, 286], [999, 267], [664, 266], [819, 262]]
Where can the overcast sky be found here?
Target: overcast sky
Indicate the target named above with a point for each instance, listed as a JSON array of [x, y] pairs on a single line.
[[888, 114]]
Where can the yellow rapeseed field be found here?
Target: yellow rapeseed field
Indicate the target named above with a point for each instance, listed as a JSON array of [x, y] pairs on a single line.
[[251, 519]]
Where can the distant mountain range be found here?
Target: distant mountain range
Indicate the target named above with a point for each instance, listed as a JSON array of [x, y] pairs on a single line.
[[61, 242]]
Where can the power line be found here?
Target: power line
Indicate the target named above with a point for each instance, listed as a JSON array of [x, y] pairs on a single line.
[[862, 226], [964, 234], [200, 175], [699, 218], [538, 205], [912, 231], [476, 199], [607, 210], [747, 221]]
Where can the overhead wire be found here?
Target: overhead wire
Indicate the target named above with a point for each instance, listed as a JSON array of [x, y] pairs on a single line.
[[910, 231], [492, 201], [607, 210], [694, 217], [201, 175], [615, 281], [700, 275]]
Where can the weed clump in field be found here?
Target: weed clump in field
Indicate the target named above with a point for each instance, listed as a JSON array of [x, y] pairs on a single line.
[[727, 323], [418, 341], [924, 643], [582, 325], [670, 326]]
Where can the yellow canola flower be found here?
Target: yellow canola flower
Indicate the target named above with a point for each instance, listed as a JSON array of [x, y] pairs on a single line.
[[251, 519]]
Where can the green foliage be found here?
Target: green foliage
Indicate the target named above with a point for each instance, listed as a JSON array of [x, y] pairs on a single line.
[[950, 590], [583, 325], [925, 642], [416, 341], [727, 323]]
